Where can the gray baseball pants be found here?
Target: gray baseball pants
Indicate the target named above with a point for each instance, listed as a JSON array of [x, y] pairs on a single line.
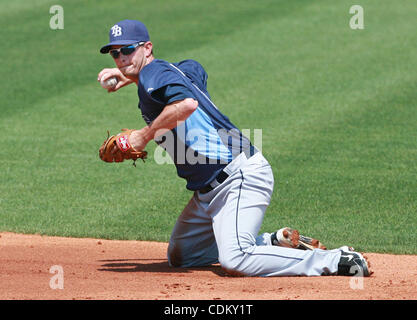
[[223, 224]]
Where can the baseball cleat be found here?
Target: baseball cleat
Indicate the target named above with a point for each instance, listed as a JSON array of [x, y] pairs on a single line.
[[310, 243], [291, 238], [353, 263]]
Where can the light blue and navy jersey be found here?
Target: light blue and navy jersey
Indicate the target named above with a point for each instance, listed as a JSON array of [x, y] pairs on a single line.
[[207, 141]]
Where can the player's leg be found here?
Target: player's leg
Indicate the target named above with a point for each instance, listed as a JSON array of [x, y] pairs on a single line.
[[237, 221], [192, 241]]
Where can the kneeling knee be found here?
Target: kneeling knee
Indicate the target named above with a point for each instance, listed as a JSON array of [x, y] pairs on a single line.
[[174, 256], [233, 267]]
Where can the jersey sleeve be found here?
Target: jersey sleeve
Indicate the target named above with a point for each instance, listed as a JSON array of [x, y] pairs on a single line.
[[171, 93], [156, 78]]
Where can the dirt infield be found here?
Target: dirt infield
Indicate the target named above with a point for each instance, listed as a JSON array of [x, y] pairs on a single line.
[[40, 267]]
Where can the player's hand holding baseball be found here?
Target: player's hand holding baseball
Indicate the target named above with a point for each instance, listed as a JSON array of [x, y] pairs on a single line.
[[108, 73]]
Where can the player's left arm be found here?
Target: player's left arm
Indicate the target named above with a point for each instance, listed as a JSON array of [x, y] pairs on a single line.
[[171, 116]]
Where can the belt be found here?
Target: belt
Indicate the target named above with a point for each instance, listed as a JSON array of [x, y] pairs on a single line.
[[222, 176], [217, 181]]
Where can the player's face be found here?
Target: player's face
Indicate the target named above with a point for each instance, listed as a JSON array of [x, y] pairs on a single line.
[[131, 64]]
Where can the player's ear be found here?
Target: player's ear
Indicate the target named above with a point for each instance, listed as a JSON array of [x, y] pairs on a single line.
[[148, 46]]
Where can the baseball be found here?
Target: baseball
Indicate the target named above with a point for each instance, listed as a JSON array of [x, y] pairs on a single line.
[[109, 83]]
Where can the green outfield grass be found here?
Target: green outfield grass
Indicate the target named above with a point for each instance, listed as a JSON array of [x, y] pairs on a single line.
[[337, 108]]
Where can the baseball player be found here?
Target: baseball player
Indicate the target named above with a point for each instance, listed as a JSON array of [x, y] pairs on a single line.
[[231, 180]]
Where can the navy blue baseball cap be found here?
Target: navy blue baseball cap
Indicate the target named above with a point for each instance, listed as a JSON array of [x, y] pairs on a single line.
[[126, 32]]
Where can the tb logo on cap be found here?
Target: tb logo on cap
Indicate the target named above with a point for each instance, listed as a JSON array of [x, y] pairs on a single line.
[[116, 30]]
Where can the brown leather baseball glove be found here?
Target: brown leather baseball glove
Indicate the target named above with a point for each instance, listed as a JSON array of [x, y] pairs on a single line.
[[118, 148]]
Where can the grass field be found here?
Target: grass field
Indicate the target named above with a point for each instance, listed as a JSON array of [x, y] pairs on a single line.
[[337, 108]]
